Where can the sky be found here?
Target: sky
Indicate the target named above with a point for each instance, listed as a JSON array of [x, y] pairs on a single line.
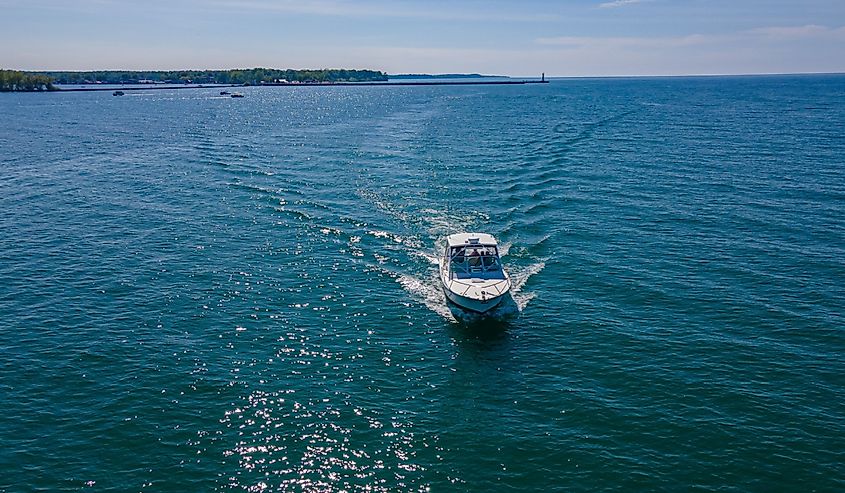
[[516, 38]]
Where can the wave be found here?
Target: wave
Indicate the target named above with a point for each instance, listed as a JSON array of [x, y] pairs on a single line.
[[519, 277], [428, 293]]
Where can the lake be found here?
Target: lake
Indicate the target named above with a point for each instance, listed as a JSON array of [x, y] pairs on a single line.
[[200, 293]]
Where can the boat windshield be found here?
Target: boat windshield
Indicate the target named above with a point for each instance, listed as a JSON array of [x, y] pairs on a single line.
[[475, 258]]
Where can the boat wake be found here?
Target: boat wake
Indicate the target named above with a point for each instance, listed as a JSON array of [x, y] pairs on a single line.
[[405, 258], [520, 276], [427, 290]]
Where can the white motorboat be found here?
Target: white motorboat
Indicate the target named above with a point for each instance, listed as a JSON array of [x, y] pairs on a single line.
[[472, 273]]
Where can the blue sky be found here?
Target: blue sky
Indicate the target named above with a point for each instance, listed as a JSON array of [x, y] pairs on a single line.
[[560, 38]]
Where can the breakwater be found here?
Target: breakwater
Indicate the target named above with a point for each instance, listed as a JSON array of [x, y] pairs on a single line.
[[317, 84], [419, 83]]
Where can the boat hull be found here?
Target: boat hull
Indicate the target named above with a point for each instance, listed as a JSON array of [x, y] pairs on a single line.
[[471, 304]]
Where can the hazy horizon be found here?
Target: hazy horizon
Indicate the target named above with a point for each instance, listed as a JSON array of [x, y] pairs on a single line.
[[578, 38]]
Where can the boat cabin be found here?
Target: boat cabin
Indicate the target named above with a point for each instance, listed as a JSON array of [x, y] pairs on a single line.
[[473, 257]]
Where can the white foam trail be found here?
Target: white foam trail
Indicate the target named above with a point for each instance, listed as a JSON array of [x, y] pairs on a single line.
[[519, 276], [522, 299], [430, 257], [442, 223], [439, 224], [504, 248], [409, 241], [427, 292], [384, 205]]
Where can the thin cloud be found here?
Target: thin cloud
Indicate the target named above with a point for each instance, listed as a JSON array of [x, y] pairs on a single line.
[[618, 3], [780, 33], [340, 8], [809, 48], [628, 42], [738, 53], [797, 32]]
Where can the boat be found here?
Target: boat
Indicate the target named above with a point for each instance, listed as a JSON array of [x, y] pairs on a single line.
[[225, 93], [472, 273], [118, 93], [237, 95]]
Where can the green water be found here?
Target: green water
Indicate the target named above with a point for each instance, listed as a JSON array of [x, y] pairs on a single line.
[[200, 293]]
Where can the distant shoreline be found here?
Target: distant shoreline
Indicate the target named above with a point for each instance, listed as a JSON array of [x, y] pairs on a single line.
[[446, 76]]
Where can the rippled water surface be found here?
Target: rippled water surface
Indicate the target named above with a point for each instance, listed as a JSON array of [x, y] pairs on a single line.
[[200, 293]]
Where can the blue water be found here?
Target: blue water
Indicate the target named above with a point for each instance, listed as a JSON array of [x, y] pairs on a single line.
[[200, 293]]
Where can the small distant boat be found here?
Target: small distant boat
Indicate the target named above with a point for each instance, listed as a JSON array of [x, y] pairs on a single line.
[[118, 93], [472, 273], [225, 93], [237, 95]]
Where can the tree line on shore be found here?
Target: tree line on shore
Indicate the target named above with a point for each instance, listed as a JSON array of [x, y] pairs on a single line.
[[252, 76], [13, 80]]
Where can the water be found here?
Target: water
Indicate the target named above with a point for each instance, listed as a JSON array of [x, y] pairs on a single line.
[[202, 293]]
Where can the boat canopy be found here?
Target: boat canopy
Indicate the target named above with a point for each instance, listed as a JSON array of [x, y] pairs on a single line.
[[471, 239], [474, 259]]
